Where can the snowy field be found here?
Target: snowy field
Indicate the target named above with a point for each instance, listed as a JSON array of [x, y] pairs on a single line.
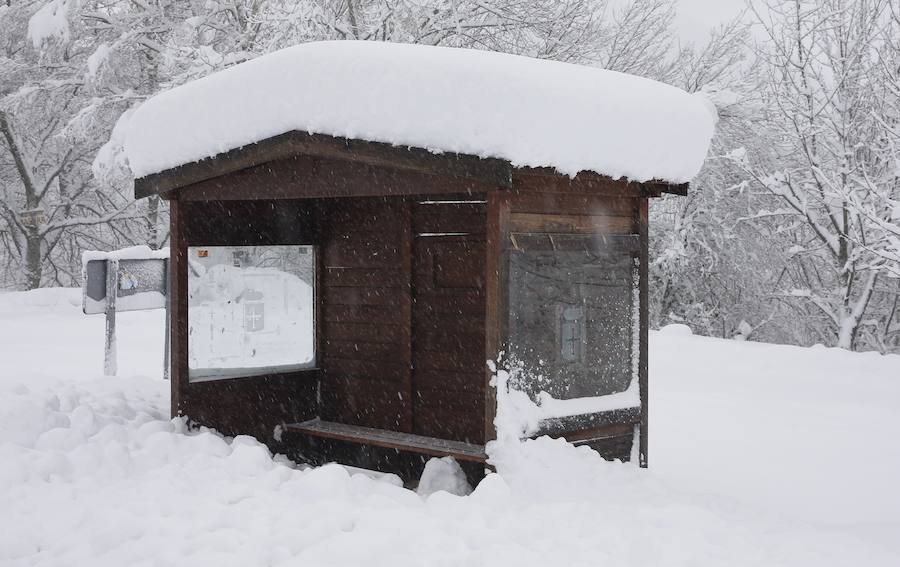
[[760, 455]]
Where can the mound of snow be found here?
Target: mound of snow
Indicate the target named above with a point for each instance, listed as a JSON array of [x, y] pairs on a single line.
[[676, 329], [443, 474], [530, 112]]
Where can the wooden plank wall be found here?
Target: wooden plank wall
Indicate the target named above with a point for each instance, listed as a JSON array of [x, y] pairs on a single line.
[[372, 252], [568, 213], [449, 320], [253, 405], [365, 313], [402, 316]]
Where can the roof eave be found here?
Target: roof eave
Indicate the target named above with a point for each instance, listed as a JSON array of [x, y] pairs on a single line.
[[489, 171]]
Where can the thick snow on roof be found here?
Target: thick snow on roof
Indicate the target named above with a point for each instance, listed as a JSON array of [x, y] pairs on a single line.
[[530, 112]]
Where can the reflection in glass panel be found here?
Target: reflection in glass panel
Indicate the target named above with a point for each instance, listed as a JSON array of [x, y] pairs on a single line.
[[572, 321], [251, 310]]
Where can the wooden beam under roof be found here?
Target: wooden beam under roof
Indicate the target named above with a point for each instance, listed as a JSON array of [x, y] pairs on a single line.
[[547, 179], [486, 172], [490, 171]]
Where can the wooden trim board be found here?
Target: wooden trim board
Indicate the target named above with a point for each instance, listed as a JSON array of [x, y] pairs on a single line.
[[389, 439], [495, 173], [490, 171]]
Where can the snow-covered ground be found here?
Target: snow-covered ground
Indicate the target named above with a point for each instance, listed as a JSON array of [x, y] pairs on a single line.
[[760, 455]]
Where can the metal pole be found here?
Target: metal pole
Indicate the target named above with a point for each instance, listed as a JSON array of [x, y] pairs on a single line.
[[110, 365], [167, 354]]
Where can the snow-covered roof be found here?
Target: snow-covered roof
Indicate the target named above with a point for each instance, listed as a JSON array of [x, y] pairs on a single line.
[[139, 252], [530, 112]]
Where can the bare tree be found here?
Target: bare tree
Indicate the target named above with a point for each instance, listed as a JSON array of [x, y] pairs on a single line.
[[830, 167], [49, 199]]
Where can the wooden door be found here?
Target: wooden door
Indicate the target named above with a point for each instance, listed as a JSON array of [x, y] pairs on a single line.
[[448, 349]]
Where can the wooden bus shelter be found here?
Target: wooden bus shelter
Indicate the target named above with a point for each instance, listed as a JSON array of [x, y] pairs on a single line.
[[380, 252], [424, 267]]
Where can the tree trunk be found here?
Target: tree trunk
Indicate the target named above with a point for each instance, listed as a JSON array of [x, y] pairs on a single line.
[[33, 267], [32, 201], [351, 15], [851, 313]]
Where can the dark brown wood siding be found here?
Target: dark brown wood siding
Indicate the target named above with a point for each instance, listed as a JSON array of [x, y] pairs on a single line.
[[412, 296], [448, 320], [365, 313], [643, 225], [402, 316], [237, 406]]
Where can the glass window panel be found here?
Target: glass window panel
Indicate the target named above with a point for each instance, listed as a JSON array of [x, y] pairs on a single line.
[[572, 320], [251, 310]]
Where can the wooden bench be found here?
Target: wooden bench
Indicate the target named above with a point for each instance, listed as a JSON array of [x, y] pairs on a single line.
[[410, 442]]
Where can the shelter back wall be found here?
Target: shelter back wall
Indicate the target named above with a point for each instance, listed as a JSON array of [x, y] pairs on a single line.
[[253, 405], [403, 315], [384, 269]]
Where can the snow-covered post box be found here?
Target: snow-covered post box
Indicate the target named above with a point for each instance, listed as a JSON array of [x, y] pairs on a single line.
[[383, 252]]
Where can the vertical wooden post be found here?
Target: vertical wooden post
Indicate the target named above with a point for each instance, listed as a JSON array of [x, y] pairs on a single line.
[[496, 297], [319, 240], [406, 306], [643, 290], [110, 356], [178, 305]]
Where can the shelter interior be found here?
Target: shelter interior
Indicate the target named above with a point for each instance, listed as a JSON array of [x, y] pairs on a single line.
[[339, 300]]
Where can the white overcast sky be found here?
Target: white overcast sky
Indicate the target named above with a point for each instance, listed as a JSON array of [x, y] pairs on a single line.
[[696, 17]]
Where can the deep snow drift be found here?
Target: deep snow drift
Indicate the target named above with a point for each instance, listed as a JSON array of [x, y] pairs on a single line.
[[531, 112], [760, 455]]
